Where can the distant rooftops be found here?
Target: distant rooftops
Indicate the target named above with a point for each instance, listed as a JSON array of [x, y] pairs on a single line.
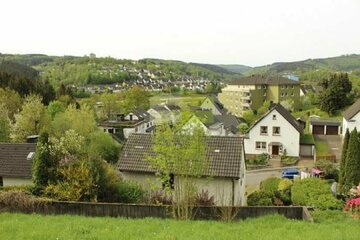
[[263, 80]]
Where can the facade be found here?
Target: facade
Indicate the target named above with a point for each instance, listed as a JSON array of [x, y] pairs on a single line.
[[319, 126], [251, 92], [165, 113], [224, 179], [16, 163], [351, 118], [213, 125], [277, 132]]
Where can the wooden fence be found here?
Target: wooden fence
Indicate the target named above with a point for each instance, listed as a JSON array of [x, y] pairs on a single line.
[[143, 211], [329, 157]]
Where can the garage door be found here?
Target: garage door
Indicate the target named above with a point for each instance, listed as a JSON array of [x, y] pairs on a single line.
[[306, 150], [332, 130], [318, 129]]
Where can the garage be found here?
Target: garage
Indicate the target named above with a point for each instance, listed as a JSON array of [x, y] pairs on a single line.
[[318, 129], [306, 150], [324, 126]]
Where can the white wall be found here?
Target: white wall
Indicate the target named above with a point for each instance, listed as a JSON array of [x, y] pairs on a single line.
[[8, 181], [354, 122], [220, 188], [134, 117], [289, 136]]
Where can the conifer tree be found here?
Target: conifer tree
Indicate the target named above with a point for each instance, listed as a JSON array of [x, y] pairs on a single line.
[[343, 161], [352, 164]]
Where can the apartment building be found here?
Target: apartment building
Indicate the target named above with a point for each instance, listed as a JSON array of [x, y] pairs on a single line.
[[251, 92]]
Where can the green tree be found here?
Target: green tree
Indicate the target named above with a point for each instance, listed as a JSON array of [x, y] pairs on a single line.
[[352, 164], [31, 120], [11, 101], [336, 93], [55, 107], [111, 102], [4, 124], [182, 156], [243, 127], [249, 117], [136, 97], [103, 145], [342, 175]]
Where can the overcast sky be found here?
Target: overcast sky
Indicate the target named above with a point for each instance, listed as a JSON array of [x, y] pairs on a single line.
[[254, 32]]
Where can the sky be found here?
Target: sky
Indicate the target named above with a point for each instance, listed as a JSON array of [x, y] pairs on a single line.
[[253, 33]]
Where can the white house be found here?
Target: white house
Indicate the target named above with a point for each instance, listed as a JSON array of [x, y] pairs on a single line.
[[224, 178], [16, 163], [277, 132], [165, 113], [351, 118]]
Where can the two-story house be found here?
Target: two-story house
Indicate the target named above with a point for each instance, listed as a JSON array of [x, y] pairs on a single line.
[[277, 132], [351, 118], [251, 92]]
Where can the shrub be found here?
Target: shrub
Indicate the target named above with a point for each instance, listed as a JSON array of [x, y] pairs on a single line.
[[25, 188], [314, 192], [270, 184], [19, 201], [288, 161], [129, 192], [204, 199], [260, 198], [285, 184], [329, 169], [160, 198], [262, 158]]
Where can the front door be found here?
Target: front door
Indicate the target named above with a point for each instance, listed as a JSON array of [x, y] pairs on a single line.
[[275, 150]]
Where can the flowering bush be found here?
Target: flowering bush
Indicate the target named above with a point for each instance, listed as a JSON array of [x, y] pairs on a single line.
[[353, 205]]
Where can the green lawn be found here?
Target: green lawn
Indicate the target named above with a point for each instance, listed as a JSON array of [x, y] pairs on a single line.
[[331, 226], [322, 147]]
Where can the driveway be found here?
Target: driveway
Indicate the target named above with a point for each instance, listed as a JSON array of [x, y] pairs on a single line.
[[334, 143]]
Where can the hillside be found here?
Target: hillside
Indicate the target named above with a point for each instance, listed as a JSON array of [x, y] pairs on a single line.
[[91, 70], [236, 68], [345, 63]]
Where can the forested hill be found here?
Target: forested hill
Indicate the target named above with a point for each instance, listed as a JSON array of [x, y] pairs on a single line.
[[92, 70], [344, 63]]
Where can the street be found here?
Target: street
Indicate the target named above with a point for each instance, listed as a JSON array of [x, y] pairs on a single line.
[[253, 178]]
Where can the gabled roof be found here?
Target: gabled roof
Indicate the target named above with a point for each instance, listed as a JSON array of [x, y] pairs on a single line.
[[230, 122], [224, 153], [285, 113], [263, 80], [142, 114], [13, 160], [217, 104], [352, 110]]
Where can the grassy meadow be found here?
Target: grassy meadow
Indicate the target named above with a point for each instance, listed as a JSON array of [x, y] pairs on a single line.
[[328, 225]]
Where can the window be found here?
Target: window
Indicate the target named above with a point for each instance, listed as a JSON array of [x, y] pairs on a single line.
[[292, 86], [276, 130], [282, 94], [292, 94], [282, 86], [260, 145], [264, 86], [263, 130], [274, 117]]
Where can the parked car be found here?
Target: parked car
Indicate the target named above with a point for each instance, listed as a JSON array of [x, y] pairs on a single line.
[[290, 173]]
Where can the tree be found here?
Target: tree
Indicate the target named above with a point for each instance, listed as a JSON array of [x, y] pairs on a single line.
[[55, 107], [343, 161], [4, 124], [180, 159], [249, 117], [243, 127], [31, 120], [104, 146], [11, 101], [336, 93], [136, 97], [352, 164], [111, 103]]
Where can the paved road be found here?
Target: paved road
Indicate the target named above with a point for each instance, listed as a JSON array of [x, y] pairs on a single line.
[[253, 179]]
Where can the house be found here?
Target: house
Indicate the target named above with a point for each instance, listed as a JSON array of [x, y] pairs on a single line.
[[213, 125], [166, 113], [306, 89], [251, 92], [351, 118], [137, 121], [212, 104], [277, 132], [224, 178], [16, 163]]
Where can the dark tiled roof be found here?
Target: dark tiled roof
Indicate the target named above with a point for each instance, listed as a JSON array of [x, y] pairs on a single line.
[[218, 105], [142, 114], [352, 110], [328, 122], [229, 121], [263, 80], [225, 155], [173, 107], [285, 113], [13, 160]]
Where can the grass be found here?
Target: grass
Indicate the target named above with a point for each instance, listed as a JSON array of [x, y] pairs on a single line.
[[183, 100], [20, 226], [322, 147]]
